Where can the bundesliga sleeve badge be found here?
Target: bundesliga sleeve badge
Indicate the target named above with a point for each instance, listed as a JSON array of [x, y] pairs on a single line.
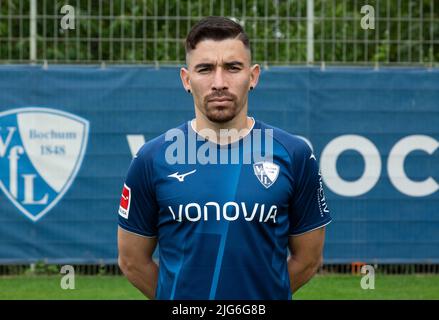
[[124, 207]]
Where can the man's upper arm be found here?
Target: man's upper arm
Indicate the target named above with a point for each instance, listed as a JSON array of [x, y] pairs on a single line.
[[308, 247], [133, 246]]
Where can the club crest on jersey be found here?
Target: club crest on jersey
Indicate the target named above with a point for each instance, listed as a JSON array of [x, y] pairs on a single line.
[[41, 151], [266, 172]]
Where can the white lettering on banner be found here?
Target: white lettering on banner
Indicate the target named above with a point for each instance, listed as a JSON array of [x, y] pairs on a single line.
[[395, 166], [13, 157], [135, 142], [29, 190], [372, 170], [372, 157], [4, 144]]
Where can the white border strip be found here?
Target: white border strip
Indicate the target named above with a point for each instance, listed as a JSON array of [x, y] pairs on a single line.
[[299, 234], [140, 235]]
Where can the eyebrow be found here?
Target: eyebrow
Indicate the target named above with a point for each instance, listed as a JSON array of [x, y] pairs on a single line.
[[234, 63], [227, 64], [203, 65]]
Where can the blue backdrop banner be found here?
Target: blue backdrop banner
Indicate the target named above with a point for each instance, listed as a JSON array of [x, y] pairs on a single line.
[[68, 134]]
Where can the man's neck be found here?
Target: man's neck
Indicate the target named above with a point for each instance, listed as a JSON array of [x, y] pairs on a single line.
[[223, 133]]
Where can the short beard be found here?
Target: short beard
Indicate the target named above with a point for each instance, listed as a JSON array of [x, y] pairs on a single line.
[[221, 114]]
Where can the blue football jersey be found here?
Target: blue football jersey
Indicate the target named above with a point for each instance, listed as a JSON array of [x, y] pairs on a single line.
[[223, 227]]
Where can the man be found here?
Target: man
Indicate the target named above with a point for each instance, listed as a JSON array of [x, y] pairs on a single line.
[[223, 229]]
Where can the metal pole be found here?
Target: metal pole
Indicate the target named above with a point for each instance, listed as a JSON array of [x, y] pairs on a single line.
[[310, 31], [33, 31]]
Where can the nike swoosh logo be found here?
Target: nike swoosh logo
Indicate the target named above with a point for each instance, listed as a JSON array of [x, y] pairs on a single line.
[[180, 177]]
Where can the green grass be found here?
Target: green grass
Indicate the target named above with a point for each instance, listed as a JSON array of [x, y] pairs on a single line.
[[347, 287], [86, 287], [344, 287]]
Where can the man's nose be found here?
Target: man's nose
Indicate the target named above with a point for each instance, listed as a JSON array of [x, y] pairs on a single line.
[[219, 82]]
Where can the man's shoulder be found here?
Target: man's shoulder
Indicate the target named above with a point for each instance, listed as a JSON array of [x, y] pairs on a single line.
[[151, 148], [294, 144]]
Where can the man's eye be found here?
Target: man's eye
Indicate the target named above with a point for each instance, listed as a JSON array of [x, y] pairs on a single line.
[[204, 70], [235, 69]]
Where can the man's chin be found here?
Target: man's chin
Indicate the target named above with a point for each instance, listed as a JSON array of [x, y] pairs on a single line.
[[220, 118], [220, 114]]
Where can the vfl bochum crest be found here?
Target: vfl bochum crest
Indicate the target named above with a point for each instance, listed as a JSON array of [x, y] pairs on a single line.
[[41, 151], [266, 172]]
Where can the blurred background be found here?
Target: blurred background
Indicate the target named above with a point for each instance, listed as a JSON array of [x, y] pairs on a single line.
[[281, 32], [83, 84]]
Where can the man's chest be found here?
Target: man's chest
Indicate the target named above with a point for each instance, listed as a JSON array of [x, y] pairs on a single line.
[[248, 192]]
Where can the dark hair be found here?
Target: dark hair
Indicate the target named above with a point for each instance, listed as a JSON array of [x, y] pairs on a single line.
[[215, 28]]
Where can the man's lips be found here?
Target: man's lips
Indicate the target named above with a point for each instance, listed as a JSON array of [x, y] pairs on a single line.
[[220, 100]]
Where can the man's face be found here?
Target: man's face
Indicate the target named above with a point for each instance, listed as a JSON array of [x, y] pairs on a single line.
[[219, 75]]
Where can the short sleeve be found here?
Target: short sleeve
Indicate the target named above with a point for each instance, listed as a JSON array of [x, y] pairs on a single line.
[[138, 211], [308, 208]]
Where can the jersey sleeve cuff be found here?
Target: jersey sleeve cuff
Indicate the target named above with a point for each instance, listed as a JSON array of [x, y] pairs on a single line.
[[137, 232], [311, 228]]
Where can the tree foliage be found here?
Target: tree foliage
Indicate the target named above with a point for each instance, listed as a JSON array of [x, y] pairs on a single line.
[[153, 31]]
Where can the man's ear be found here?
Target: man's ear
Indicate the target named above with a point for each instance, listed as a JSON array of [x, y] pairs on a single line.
[[255, 71], [185, 79]]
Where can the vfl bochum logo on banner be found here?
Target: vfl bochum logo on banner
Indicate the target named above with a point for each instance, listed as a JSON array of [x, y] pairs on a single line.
[[41, 151]]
